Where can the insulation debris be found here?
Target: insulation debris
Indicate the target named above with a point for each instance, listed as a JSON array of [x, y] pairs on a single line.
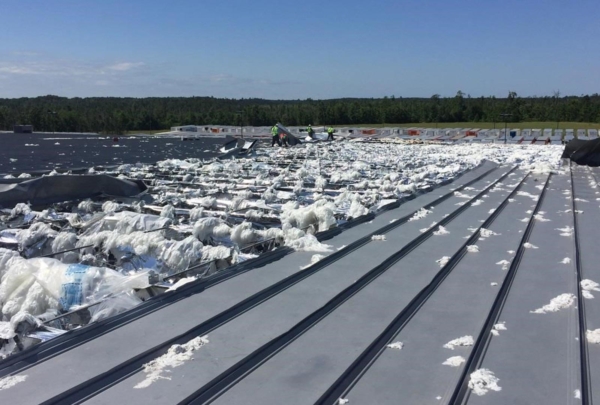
[[556, 304], [593, 336], [396, 345], [454, 361], [461, 341], [176, 356], [11, 381], [482, 381], [206, 216]]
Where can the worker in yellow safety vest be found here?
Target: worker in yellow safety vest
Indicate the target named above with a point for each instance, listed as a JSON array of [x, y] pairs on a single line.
[[330, 132], [275, 136], [310, 131]]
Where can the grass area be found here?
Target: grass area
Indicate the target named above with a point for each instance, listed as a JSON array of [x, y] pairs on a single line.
[[490, 125]]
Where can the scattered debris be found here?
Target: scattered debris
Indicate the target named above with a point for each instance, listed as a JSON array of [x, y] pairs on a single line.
[[454, 361], [396, 345], [441, 231], [587, 286], [566, 231], [482, 381], [11, 381], [420, 214], [176, 356], [486, 233], [593, 336], [556, 304], [504, 263], [498, 327], [314, 259], [461, 341]]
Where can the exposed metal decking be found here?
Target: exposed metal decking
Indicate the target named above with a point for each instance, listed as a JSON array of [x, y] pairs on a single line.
[[280, 333]]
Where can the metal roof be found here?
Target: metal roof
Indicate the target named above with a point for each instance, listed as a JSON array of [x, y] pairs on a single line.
[[286, 333]]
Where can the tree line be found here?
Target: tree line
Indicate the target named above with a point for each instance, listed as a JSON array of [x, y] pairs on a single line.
[[117, 115]]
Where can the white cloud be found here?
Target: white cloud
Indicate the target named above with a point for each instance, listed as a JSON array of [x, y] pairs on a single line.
[[37, 75], [221, 78], [64, 68], [18, 70], [125, 66]]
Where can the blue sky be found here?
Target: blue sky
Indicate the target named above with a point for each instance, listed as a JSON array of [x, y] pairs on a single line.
[[298, 49]]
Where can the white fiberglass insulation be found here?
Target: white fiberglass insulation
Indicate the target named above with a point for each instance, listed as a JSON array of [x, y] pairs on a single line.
[[319, 214], [11, 381], [420, 214], [396, 345], [35, 233], [482, 381], [587, 286], [176, 356], [34, 286], [179, 255], [441, 231], [593, 336], [556, 304], [454, 361], [461, 341]]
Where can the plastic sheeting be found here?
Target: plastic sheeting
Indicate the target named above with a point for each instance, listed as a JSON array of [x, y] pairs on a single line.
[[127, 222], [583, 152], [35, 286], [52, 189]]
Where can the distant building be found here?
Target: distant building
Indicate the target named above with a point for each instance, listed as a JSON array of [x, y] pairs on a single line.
[[23, 129], [185, 128]]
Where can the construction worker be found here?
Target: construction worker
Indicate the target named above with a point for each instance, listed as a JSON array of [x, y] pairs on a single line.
[[284, 139], [310, 131], [330, 133], [275, 136]]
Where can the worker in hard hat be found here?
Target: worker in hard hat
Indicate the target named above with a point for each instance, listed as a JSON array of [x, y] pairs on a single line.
[[275, 136], [310, 131], [330, 132]]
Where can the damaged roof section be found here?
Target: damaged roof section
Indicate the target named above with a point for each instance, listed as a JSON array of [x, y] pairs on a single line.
[[351, 272], [77, 249]]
